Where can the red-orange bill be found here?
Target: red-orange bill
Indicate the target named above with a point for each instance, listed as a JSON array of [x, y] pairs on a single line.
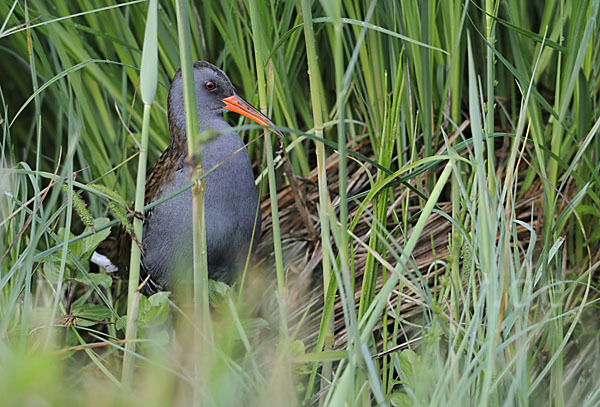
[[238, 105]]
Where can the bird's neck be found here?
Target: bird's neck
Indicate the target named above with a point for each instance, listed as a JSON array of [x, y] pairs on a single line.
[[178, 138], [209, 128], [178, 131]]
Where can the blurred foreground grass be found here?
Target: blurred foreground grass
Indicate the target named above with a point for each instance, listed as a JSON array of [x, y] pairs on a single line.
[[453, 261]]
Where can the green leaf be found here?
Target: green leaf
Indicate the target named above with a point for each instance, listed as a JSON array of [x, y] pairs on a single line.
[[408, 360], [100, 279], [87, 246], [153, 312], [95, 312], [52, 269], [121, 323], [400, 399], [81, 249], [217, 290], [159, 298]]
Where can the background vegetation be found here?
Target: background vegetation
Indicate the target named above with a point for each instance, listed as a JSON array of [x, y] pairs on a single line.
[[456, 220]]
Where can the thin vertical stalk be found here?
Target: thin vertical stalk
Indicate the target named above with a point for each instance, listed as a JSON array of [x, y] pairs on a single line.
[[485, 229], [577, 40], [259, 47], [29, 267], [324, 200], [355, 342], [334, 10], [194, 141], [148, 80], [426, 70], [134, 261], [490, 9], [195, 144]]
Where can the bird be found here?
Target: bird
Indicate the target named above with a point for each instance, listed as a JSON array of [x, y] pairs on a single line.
[[232, 215]]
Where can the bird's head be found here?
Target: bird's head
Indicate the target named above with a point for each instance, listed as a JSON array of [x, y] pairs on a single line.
[[214, 95]]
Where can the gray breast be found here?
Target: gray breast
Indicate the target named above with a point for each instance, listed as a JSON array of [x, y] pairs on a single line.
[[230, 200]]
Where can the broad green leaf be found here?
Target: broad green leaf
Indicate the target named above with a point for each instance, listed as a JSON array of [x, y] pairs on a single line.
[[101, 279]]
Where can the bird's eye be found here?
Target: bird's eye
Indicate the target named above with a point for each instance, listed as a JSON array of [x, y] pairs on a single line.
[[210, 85]]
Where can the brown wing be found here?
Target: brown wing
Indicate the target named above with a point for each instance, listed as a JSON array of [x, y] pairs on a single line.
[[162, 172], [117, 247]]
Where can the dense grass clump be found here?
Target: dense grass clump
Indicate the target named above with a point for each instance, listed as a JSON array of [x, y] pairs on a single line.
[[431, 221]]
